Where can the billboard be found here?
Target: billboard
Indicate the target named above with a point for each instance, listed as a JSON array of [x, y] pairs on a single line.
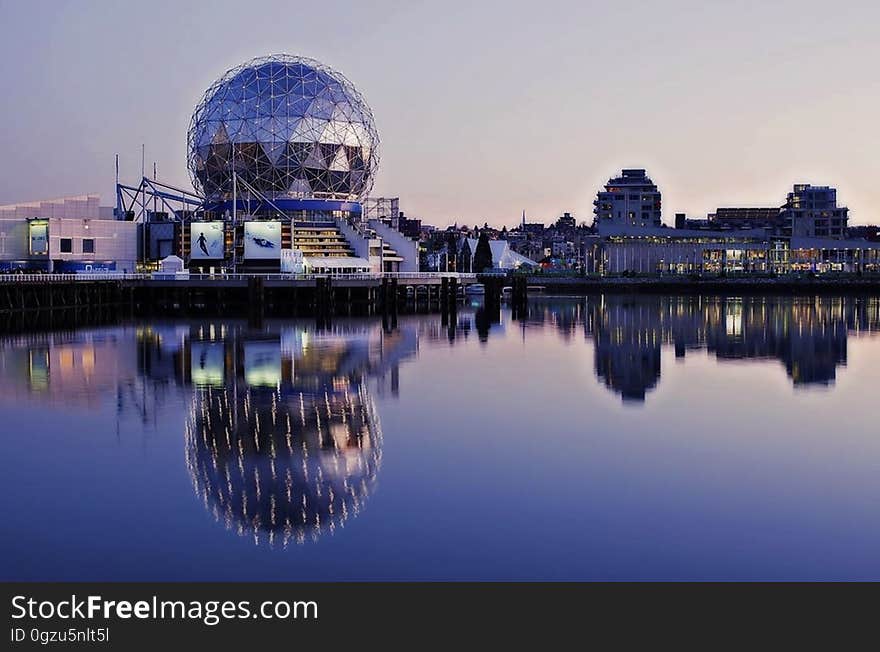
[[207, 241], [38, 232], [262, 240]]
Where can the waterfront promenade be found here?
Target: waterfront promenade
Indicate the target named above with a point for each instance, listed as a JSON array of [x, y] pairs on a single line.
[[254, 295], [784, 284], [326, 294]]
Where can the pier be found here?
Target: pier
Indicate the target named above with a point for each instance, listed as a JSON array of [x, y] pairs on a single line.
[[252, 295]]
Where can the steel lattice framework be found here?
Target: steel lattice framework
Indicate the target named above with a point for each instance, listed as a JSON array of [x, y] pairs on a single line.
[[289, 126]]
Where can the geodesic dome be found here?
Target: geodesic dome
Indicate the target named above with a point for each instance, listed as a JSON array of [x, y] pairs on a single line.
[[289, 126]]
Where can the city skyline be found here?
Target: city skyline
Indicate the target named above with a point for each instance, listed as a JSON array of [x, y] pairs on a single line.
[[482, 113]]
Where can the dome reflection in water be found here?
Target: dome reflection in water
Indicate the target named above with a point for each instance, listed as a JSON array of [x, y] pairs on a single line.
[[283, 441]]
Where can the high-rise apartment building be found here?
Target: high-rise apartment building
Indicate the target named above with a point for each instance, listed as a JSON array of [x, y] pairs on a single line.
[[812, 211], [629, 199]]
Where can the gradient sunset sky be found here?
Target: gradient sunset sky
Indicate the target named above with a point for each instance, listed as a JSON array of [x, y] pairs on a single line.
[[484, 108]]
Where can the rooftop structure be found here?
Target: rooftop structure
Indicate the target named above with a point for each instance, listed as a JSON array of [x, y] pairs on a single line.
[[812, 211], [631, 198], [746, 218], [79, 206]]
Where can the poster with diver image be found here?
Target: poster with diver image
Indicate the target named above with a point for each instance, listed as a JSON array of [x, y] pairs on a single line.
[[207, 240], [262, 240]]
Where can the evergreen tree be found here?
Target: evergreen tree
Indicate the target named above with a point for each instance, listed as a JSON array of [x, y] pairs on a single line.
[[451, 245], [483, 254]]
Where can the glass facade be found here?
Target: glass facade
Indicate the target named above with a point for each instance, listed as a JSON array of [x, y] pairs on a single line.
[[288, 126]]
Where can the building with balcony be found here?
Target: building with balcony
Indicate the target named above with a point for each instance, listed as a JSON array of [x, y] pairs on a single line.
[[812, 211], [629, 199]]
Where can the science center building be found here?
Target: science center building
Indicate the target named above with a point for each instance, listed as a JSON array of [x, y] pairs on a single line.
[[282, 152]]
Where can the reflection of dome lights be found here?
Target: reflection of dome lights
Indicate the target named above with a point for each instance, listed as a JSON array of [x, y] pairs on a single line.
[[283, 467]]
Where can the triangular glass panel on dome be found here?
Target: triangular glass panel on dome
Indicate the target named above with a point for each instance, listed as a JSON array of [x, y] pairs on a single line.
[[280, 127], [249, 93], [283, 84], [244, 78], [340, 161], [355, 160], [239, 131], [356, 178], [298, 185], [310, 87], [220, 136], [318, 179], [316, 158], [262, 128], [339, 182], [211, 111], [307, 130], [337, 93], [298, 105], [218, 157], [341, 112], [274, 151], [333, 133], [233, 130], [359, 135], [234, 92], [321, 108], [325, 80], [300, 152], [349, 135], [203, 137], [328, 152]]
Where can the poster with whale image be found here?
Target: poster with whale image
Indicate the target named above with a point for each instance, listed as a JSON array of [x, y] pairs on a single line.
[[207, 240], [262, 240]]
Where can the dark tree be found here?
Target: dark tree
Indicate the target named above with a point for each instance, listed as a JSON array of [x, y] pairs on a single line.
[[483, 254], [452, 251]]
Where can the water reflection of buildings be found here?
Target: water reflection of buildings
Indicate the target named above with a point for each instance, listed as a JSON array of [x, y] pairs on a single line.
[[283, 441], [79, 369], [807, 334], [282, 437]]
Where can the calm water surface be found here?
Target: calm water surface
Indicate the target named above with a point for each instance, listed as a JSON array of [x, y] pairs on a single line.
[[597, 438]]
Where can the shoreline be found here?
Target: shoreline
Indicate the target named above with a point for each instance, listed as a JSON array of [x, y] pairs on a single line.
[[548, 285]]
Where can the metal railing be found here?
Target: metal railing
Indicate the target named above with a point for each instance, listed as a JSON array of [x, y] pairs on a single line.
[[277, 276], [86, 276]]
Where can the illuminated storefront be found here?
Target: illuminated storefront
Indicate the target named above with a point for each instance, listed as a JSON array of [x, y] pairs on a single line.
[[649, 251]]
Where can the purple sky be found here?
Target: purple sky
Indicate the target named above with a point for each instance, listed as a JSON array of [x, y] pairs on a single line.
[[484, 108]]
